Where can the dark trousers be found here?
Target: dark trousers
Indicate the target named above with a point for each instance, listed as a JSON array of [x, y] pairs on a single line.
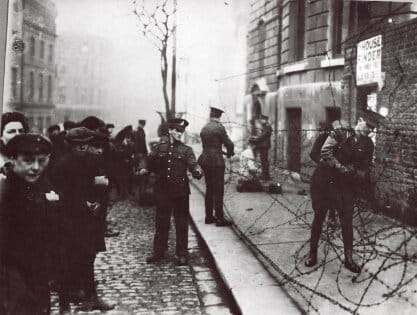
[[263, 155], [23, 296], [79, 275], [180, 207], [213, 199], [344, 199]]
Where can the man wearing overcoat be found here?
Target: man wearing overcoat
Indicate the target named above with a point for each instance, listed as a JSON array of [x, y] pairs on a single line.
[[169, 160], [213, 137], [76, 175]]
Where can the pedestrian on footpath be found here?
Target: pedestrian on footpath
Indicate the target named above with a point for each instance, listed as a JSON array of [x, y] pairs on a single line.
[[344, 165], [169, 160], [28, 231], [262, 145], [76, 176], [214, 136]]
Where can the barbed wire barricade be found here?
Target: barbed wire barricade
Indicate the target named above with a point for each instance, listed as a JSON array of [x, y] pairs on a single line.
[[277, 226]]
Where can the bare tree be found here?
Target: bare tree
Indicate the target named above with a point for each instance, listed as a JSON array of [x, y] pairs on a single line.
[[157, 23]]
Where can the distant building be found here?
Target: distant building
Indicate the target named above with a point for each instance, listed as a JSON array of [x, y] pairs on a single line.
[[30, 61], [82, 87]]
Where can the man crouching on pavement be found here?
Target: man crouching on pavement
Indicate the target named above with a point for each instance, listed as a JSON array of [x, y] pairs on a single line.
[[27, 229], [169, 160]]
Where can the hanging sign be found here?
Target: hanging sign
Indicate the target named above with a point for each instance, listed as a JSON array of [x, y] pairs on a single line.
[[368, 65]]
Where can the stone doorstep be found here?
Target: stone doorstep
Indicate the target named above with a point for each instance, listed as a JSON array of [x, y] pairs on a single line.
[[252, 287]]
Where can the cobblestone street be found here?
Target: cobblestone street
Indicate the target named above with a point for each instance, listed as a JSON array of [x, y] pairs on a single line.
[[164, 288]]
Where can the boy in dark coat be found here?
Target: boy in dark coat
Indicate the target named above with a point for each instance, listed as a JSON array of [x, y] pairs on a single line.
[[28, 209]]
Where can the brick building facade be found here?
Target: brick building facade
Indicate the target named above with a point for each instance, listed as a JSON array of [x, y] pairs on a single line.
[[30, 61], [395, 172]]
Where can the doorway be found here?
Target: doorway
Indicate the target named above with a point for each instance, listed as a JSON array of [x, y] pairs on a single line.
[[333, 113], [294, 139]]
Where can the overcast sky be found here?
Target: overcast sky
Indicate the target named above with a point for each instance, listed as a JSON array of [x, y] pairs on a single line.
[[206, 49]]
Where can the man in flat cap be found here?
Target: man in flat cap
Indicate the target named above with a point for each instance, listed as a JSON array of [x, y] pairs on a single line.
[[262, 143], [214, 136], [345, 161], [27, 228], [76, 175], [169, 160]]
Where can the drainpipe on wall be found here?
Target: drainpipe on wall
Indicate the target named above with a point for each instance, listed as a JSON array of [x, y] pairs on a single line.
[[4, 10], [278, 79]]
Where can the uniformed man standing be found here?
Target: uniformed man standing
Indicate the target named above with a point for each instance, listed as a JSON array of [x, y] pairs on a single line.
[[344, 166], [169, 161], [213, 137]]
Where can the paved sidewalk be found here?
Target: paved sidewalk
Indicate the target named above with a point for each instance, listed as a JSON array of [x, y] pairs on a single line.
[[277, 227], [252, 287]]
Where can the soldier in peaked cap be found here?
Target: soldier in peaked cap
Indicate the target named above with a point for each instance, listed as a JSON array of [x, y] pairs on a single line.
[[345, 162], [169, 160], [27, 228], [214, 136]]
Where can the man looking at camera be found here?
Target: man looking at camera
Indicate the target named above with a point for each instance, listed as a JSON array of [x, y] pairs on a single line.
[[169, 160]]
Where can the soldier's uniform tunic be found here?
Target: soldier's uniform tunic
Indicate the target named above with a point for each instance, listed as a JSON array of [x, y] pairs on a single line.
[[332, 189], [170, 161], [213, 137]]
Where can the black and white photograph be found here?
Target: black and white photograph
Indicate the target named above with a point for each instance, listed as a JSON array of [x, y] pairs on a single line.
[[208, 157]]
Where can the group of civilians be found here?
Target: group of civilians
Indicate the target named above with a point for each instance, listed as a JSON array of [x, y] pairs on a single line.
[[54, 198]]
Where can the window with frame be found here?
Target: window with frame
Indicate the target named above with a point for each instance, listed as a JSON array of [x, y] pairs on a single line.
[[42, 50], [51, 53], [49, 88], [297, 30], [31, 85], [40, 87], [337, 27], [14, 82], [261, 45], [32, 46]]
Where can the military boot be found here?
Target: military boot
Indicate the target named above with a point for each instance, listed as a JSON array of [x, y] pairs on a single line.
[[349, 263], [312, 258]]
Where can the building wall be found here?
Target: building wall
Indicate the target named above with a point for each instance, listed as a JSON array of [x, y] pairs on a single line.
[[263, 42], [396, 148], [296, 58], [33, 24]]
